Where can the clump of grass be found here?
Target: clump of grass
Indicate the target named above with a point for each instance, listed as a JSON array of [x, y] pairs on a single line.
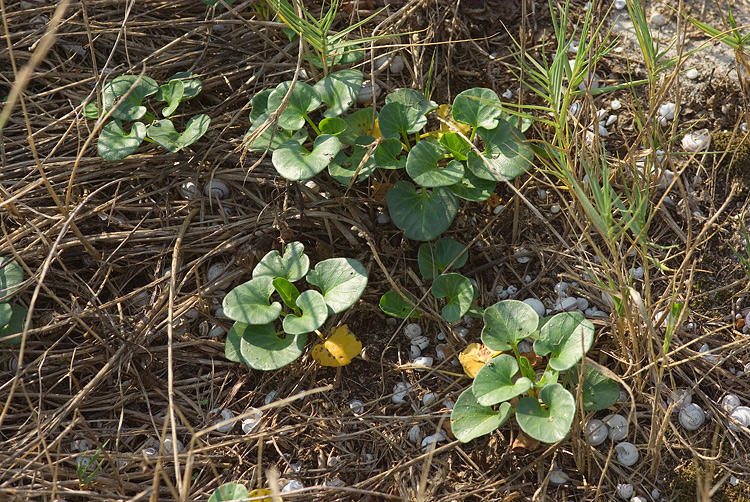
[[732, 152]]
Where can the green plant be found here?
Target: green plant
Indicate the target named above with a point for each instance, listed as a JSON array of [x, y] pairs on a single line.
[[456, 290], [12, 316], [444, 165], [122, 99], [253, 339], [86, 464], [547, 411], [328, 49]]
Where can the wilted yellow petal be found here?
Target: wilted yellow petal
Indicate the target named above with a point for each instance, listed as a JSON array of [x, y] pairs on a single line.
[[445, 113], [339, 350], [261, 493], [474, 356], [376, 130]]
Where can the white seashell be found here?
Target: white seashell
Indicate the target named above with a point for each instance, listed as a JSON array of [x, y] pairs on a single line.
[[623, 396], [414, 352], [357, 407], [400, 390], [537, 305], [560, 288], [429, 398], [12, 364], [620, 4], [524, 347], [383, 219], [251, 423], [625, 490], [523, 259], [558, 477], [397, 65], [425, 361], [692, 417], [615, 104], [368, 93], [627, 453], [638, 498], [637, 273], [412, 330], [415, 434], [603, 132], [441, 336], [433, 439], [659, 19], [596, 432], [440, 352], [666, 111], [733, 481], [292, 485], [83, 463], [680, 398], [270, 397], [618, 426], [502, 293], [217, 190], [508, 94], [215, 271], [150, 451], [655, 493], [81, 445], [336, 481], [696, 141], [740, 417], [692, 74], [189, 190], [217, 331], [464, 331], [730, 402], [569, 304], [449, 404], [711, 358], [611, 120], [421, 341], [512, 290], [170, 444], [225, 415], [583, 303], [554, 209]]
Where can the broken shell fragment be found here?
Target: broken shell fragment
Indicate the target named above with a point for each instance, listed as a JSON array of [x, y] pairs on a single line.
[[226, 414], [558, 477], [425, 361], [171, 444], [415, 434], [368, 93], [627, 453], [400, 391], [421, 341], [251, 423], [596, 432], [692, 417]]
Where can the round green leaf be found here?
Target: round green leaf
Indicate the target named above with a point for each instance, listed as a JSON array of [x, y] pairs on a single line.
[[395, 306], [192, 86], [262, 349], [171, 92], [272, 137], [6, 312], [339, 90], [332, 125], [343, 168], [304, 99], [494, 382], [566, 337], [259, 110], [292, 266], [11, 277], [506, 156], [469, 419], [433, 260], [164, 134], [422, 216], [358, 123], [129, 108], [473, 188], [287, 291], [249, 303], [455, 144], [314, 314], [397, 120], [14, 326], [422, 166], [508, 322], [459, 293], [478, 107], [295, 163], [413, 99], [113, 144], [388, 154], [597, 391], [228, 491], [342, 281], [550, 424]]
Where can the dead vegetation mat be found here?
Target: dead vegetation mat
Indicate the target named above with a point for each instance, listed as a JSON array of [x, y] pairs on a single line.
[[122, 306]]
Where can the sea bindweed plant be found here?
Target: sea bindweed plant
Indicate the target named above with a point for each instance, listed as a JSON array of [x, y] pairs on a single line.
[[473, 149], [255, 307], [12, 316], [509, 385], [122, 100]]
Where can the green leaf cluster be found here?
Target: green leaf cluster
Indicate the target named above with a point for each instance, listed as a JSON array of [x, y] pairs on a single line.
[[314, 132], [256, 305], [122, 100], [508, 385], [456, 290], [12, 316]]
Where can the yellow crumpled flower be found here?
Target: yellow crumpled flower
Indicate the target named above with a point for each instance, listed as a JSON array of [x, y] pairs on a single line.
[[474, 357], [339, 349]]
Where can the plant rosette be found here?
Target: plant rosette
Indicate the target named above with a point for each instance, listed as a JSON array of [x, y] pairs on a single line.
[[256, 305], [544, 408], [474, 149], [12, 316], [123, 101]]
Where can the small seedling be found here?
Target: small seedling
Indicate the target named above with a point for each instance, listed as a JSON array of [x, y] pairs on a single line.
[[254, 339], [86, 464], [12, 316], [444, 165], [122, 99], [547, 411], [456, 289], [229, 492]]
